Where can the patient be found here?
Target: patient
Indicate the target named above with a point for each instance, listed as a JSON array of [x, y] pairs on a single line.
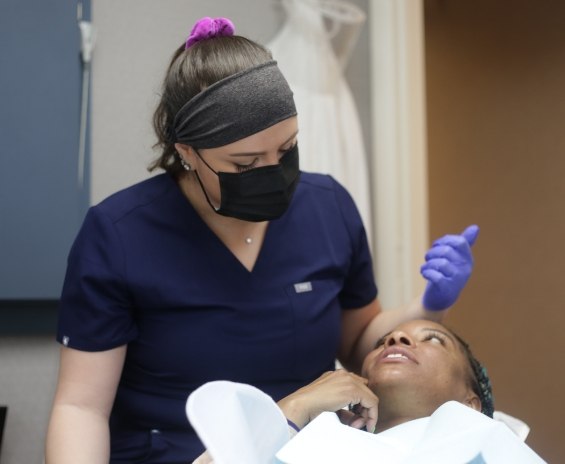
[[428, 391], [411, 372]]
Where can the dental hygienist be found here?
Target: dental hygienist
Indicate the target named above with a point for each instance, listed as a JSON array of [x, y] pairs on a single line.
[[232, 264]]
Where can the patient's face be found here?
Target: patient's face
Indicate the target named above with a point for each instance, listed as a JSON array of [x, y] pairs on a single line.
[[421, 361]]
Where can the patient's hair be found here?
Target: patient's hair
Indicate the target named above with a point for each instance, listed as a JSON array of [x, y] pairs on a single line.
[[479, 379]]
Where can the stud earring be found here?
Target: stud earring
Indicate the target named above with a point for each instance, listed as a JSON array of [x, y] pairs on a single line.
[[185, 165]]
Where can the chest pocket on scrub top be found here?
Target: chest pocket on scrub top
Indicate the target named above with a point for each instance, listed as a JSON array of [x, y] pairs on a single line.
[[316, 313]]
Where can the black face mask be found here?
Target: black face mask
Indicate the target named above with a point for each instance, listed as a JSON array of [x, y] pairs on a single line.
[[260, 194]]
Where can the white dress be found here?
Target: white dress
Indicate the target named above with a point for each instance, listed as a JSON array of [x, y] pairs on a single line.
[[330, 137]]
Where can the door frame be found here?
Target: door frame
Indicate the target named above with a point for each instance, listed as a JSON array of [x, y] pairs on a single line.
[[399, 155]]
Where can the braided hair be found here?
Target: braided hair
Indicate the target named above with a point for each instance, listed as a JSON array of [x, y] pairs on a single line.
[[479, 379]]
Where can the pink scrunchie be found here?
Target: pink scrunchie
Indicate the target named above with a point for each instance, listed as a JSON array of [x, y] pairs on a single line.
[[207, 28]]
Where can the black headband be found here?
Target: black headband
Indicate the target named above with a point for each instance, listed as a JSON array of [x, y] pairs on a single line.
[[235, 107]]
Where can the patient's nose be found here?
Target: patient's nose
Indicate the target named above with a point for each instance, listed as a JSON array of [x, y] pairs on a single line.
[[398, 337]]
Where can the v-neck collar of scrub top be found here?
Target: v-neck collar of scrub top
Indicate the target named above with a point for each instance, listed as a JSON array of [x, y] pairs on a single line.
[[206, 231]]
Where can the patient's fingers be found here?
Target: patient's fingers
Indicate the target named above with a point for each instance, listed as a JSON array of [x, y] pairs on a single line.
[[367, 412], [330, 392]]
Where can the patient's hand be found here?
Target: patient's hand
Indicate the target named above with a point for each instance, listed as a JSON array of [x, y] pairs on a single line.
[[333, 391]]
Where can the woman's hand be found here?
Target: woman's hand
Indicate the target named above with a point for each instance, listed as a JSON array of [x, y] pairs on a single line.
[[333, 391], [449, 263]]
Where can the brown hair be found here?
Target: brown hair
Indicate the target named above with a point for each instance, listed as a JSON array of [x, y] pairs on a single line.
[[190, 72]]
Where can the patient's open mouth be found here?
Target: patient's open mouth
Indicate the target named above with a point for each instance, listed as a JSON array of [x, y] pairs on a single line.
[[396, 355]]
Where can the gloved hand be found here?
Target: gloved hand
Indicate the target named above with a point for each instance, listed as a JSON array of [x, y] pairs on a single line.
[[448, 266]]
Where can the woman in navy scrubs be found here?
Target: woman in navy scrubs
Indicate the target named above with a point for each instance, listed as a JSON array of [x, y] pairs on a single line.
[[229, 265]]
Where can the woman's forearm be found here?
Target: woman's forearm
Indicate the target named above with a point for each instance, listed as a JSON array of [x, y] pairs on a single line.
[[77, 436]]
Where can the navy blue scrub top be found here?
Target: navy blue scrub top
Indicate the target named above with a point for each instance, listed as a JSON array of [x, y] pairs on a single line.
[[146, 271]]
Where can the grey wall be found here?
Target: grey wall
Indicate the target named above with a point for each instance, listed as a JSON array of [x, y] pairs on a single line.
[[135, 40], [28, 370]]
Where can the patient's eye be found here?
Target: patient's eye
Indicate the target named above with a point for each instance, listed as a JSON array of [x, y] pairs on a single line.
[[380, 342], [435, 337]]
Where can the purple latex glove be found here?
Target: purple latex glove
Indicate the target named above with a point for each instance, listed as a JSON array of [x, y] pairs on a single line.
[[448, 266]]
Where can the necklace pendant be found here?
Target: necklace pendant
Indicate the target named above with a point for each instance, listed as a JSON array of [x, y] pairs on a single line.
[[248, 240]]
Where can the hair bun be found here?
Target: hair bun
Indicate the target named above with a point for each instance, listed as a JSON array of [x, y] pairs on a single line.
[[206, 28]]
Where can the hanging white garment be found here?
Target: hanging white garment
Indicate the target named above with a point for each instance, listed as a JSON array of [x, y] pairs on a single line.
[[330, 137]]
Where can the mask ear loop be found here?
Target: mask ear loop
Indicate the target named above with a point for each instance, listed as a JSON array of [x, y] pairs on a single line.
[[204, 161], [202, 185]]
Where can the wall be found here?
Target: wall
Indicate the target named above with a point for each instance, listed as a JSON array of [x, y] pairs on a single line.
[[39, 145], [41, 205], [496, 107], [28, 371]]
